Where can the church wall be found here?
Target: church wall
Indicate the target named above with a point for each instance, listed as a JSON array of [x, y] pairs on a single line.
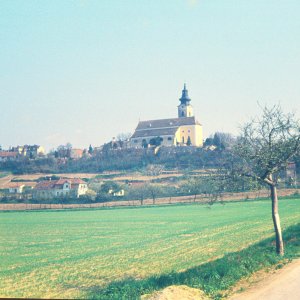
[[192, 131], [168, 140], [198, 136]]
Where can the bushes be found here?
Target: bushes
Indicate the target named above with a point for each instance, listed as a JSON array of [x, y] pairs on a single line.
[[118, 159]]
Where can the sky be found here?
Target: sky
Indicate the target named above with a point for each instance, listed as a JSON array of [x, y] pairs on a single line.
[[85, 71]]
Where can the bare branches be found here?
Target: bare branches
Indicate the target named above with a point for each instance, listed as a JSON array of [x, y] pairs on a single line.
[[265, 147], [267, 143]]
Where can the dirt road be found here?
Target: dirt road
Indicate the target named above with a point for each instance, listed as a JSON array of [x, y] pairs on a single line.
[[284, 284]]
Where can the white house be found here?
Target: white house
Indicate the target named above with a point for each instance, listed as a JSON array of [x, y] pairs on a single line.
[[73, 187]]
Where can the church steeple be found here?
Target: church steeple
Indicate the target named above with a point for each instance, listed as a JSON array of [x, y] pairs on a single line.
[[185, 96], [185, 109]]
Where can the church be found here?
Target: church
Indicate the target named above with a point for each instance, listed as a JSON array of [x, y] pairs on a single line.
[[184, 130]]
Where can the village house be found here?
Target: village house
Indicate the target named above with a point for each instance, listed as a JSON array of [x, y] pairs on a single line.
[[17, 187], [76, 153], [184, 130], [8, 155], [119, 193], [31, 151], [49, 189], [291, 174]]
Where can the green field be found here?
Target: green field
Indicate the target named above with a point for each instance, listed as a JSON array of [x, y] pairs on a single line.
[[67, 254]]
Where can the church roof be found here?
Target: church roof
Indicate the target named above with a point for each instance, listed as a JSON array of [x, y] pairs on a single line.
[[162, 127], [154, 132], [185, 96]]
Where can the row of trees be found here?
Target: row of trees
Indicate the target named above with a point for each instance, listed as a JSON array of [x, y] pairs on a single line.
[[120, 159]]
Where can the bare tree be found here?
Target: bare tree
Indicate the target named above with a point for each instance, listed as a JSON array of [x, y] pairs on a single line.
[[154, 170], [153, 191], [139, 192], [265, 147], [124, 136], [194, 186], [215, 185]]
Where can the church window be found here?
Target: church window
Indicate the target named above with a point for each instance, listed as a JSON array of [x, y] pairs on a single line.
[[169, 138], [182, 114], [183, 139]]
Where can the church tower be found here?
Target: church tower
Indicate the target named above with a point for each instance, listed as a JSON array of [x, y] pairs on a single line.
[[185, 109]]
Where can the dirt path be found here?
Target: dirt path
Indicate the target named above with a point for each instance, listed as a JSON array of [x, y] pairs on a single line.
[[284, 284]]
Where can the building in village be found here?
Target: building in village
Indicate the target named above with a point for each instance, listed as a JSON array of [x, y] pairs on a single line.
[[8, 155], [31, 151], [181, 131], [49, 189], [291, 174], [17, 187], [76, 153]]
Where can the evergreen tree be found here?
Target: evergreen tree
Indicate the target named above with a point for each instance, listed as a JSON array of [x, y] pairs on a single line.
[[189, 142], [91, 150]]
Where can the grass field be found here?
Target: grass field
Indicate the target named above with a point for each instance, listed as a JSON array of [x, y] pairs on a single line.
[[68, 254]]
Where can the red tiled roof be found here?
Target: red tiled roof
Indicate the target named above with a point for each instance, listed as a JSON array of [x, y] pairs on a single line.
[[53, 184], [77, 151], [8, 154], [77, 181], [45, 185], [13, 184], [62, 181]]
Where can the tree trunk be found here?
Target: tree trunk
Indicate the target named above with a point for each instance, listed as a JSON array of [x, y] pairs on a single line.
[[276, 221], [153, 198]]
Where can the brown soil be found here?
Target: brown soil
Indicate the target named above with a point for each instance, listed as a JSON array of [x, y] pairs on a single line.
[[179, 292]]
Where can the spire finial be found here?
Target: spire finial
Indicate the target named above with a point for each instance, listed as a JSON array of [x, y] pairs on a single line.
[[184, 87]]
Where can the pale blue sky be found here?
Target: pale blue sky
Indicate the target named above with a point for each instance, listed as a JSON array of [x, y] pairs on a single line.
[[84, 71]]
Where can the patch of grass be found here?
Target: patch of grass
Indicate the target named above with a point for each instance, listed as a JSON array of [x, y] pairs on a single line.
[[212, 277], [78, 253]]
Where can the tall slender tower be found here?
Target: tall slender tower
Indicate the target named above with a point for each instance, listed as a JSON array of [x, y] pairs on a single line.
[[185, 109]]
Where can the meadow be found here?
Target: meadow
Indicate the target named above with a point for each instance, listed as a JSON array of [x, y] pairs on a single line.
[[73, 253]]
